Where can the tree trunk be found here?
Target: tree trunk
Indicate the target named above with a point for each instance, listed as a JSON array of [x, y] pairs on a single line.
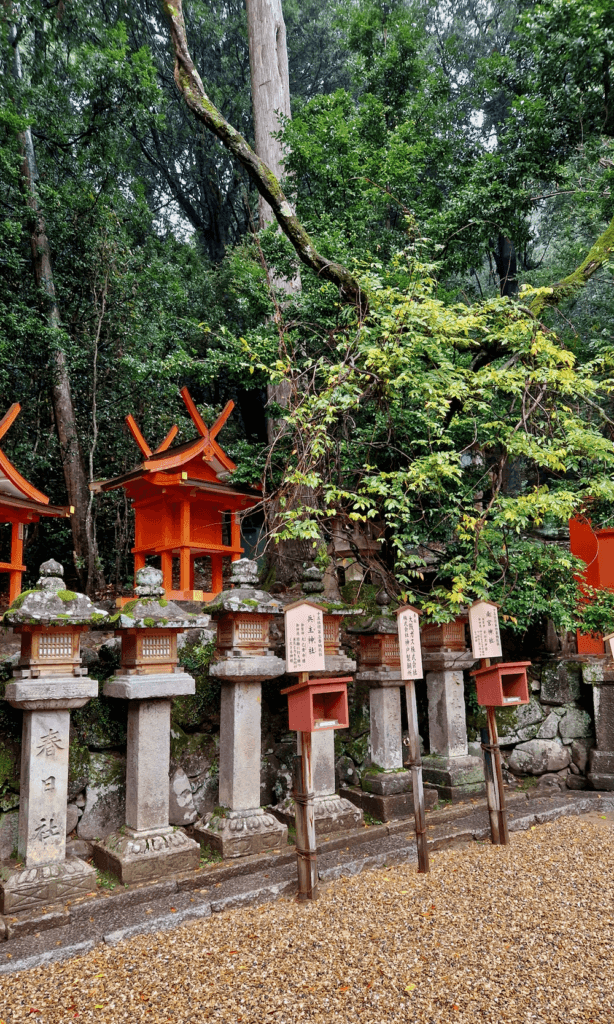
[[505, 259], [268, 61], [190, 85], [84, 540]]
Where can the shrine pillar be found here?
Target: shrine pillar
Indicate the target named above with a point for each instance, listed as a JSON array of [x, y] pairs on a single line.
[[244, 659], [49, 681]]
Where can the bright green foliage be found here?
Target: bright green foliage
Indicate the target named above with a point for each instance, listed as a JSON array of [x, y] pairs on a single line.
[[462, 432]]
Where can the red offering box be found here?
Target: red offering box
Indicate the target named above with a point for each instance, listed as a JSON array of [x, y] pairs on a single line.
[[318, 704], [504, 685]]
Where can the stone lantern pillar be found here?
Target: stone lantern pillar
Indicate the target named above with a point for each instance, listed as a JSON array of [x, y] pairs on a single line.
[[387, 787], [449, 766], [333, 813], [148, 678], [601, 758], [244, 659], [48, 682]]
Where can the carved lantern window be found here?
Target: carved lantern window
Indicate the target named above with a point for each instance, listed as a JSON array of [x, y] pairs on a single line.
[[246, 633], [49, 651], [148, 650], [380, 649], [447, 637]]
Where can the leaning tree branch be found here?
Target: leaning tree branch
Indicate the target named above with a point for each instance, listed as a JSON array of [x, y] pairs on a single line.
[[601, 252], [191, 87]]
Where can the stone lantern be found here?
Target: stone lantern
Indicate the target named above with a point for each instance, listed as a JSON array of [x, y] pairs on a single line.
[[387, 787], [148, 678], [333, 813], [244, 659], [49, 681], [449, 766]]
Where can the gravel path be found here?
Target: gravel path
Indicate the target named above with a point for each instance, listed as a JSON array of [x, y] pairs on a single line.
[[493, 934]]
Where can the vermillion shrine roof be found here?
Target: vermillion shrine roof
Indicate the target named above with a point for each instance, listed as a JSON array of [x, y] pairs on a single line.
[[200, 462], [15, 490]]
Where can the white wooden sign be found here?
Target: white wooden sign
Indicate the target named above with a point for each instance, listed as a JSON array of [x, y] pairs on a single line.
[[609, 644], [484, 626], [408, 620], [304, 638]]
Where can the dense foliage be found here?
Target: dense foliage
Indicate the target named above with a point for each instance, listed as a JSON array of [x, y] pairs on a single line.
[[449, 154]]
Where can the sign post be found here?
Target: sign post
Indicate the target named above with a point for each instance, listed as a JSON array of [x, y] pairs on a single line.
[[411, 669], [304, 623], [486, 644]]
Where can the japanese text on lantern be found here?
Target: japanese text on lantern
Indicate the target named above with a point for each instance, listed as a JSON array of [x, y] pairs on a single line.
[[304, 639], [484, 626], [409, 644]]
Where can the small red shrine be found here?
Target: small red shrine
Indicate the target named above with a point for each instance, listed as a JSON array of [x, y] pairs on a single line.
[[596, 548], [184, 506], [20, 505]]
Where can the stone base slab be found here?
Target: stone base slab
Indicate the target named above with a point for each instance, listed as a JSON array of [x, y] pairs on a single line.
[[248, 670], [380, 677], [455, 778], [144, 856], [447, 661], [335, 664], [601, 762], [599, 780], [242, 833], [331, 813], [389, 808], [150, 686], [29, 889], [49, 694], [386, 783]]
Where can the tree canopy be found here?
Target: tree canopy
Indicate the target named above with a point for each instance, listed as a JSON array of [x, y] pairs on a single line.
[[449, 360]]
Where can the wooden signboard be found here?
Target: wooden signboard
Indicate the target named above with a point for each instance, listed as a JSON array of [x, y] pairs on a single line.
[[408, 619], [304, 637], [609, 644], [484, 626]]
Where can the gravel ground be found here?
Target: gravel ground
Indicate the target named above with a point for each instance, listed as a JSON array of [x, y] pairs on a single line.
[[493, 934]]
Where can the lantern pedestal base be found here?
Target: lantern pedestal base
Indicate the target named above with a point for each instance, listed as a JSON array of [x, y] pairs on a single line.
[[390, 807], [335, 665], [26, 889], [332, 813], [248, 670], [242, 833], [386, 783], [146, 855], [456, 778]]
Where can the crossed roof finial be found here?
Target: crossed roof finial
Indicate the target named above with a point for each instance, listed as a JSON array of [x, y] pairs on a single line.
[[207, 433]]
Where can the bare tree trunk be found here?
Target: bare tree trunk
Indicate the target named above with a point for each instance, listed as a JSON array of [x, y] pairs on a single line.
[[190, 85], [84, 541], [268, 61]]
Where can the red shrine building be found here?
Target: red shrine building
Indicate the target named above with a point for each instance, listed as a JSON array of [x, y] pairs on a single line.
[[184, 505], [20, 505]]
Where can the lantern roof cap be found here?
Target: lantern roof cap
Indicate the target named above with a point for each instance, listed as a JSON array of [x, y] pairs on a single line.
[[244, 597], [373, 625], [51, 604], [326, 607], [150, 609]]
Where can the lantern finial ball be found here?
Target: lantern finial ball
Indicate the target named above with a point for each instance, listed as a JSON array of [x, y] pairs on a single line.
[[51, 568], [149, 582]]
